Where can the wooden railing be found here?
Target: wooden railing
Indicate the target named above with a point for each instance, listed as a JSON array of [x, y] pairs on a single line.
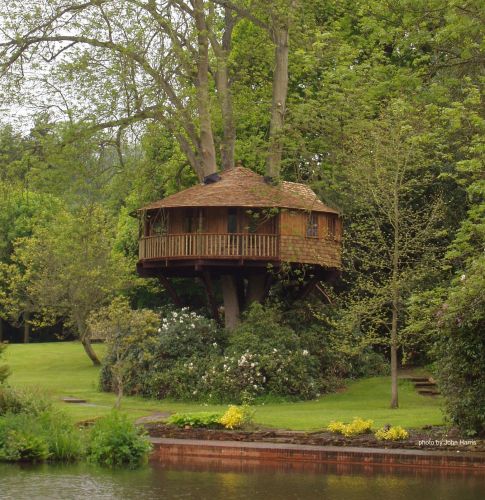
[[209, 245]]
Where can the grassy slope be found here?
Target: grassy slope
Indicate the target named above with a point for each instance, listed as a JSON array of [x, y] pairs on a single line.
[[62, 369]]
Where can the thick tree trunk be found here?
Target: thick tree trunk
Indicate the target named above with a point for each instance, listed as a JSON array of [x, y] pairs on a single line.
[[90, 351], [26, 337], [231, 301], [278, 107], [256, 289], [224, 91], [207, 148]]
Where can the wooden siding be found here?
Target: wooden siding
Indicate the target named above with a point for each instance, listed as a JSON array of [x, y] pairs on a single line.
[[283, 237], [295, 246]]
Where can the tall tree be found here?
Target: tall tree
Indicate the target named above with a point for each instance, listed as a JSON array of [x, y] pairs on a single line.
[[72, 269], [396, 231]]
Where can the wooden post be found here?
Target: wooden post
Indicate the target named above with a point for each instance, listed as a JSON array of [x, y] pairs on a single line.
[[211, 299], [308, 288], [171, 290], [256, 288], [231, 301]]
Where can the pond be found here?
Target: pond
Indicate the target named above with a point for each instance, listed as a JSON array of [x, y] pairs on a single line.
[[233, 480]]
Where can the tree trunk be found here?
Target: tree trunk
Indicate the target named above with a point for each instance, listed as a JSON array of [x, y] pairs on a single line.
[[394, 394], [256, 289], [207, 148], [224, 91], [119, 395], [26, 327], [231, 301], [278, 106], [90, 351], [395, 300], [1, 330]]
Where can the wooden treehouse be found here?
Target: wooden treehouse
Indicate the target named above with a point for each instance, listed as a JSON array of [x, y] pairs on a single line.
[[239, 230]]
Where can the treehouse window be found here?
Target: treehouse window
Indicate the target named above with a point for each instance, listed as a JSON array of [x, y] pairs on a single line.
[[158, 224], [312, 226], [332, 227], [232, 220], [194, 221]]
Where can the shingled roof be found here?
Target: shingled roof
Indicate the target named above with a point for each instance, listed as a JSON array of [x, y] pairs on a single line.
[[241, 187]]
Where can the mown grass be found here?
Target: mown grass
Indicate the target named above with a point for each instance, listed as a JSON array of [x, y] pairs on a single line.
[[63, 369]]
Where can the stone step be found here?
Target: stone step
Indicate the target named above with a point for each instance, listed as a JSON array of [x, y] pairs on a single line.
[[74, 400], [424, 384], [428, 392], [419, 379]]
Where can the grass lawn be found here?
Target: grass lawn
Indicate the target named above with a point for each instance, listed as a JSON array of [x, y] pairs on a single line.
[[63, 369]]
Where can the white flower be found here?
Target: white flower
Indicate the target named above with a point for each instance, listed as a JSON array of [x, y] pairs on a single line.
[[463, 277], [305, 352], [159, 330], [255, 386], [192, 325], [174, 314], [274, 349]]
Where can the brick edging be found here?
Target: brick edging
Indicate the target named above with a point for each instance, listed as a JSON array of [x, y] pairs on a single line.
[[191, 448]]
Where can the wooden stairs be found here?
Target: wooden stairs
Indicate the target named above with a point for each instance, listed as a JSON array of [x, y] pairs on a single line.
[[426, 386]]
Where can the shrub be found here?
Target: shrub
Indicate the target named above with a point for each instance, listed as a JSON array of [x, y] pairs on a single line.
[[114, 441], [356, 427], [28, 401], [461, 350], [336, 427], [22, 445], [155, 361], [202, 419], [63, 439], [395, 433], [190, 358], [236, 417], [34, 437]]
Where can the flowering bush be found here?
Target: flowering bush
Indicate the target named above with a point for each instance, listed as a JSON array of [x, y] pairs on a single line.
[[236, 417], [188, 357], [356, 427], [395, 433], [160, 358]]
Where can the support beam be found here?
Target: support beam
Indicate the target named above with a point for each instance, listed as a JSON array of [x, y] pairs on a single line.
[[306, 289], [171, 290], [206, 279], [256, 288], [231, 301]]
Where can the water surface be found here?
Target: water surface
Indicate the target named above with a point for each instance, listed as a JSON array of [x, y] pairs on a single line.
[[229, 480]]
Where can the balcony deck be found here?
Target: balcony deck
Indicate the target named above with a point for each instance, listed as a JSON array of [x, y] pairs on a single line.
[[210, 246]]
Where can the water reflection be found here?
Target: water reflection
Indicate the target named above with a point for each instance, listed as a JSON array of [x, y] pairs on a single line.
[[233, 479]]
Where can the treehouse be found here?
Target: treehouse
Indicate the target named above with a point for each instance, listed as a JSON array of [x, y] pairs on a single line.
[[240, 228]]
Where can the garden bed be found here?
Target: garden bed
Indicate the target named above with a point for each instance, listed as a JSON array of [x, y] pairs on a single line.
[[435, 438]]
